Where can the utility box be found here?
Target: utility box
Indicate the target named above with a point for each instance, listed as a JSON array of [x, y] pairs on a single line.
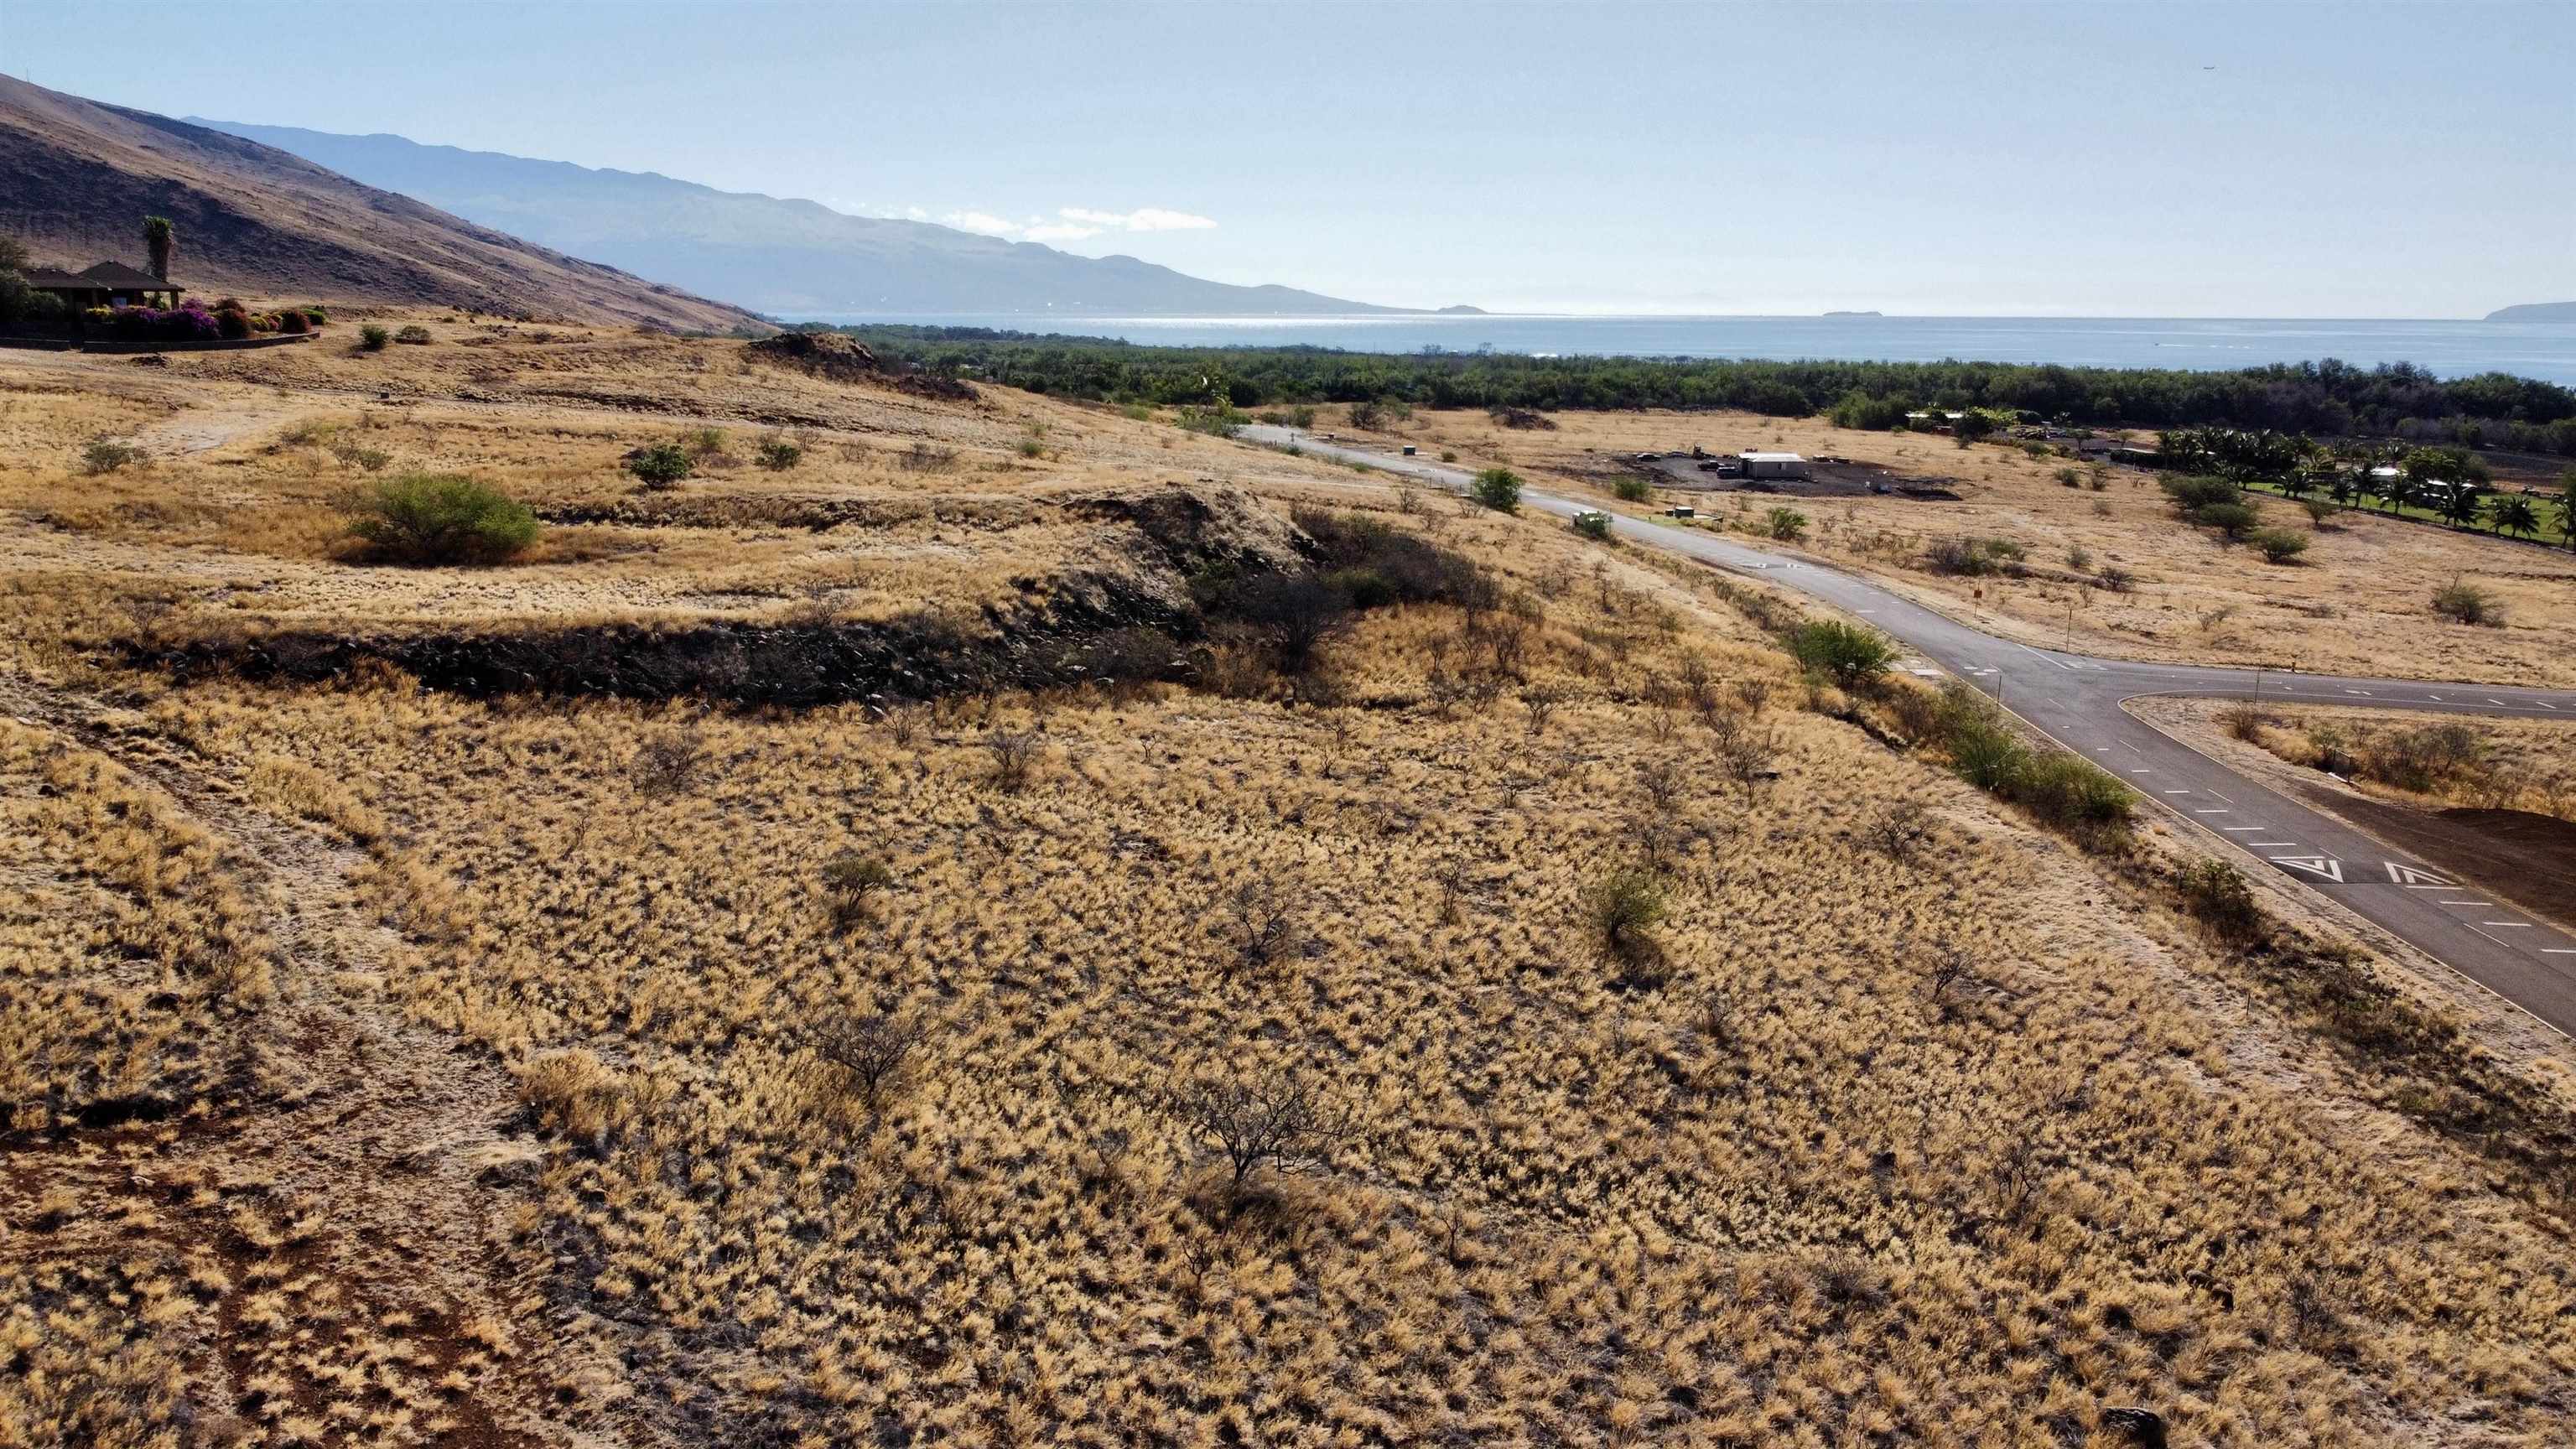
[[1680, 510], [1408, 450]]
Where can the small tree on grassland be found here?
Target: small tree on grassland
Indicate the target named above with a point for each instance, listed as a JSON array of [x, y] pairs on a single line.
[[1276, 1119], [1624, 907], [872, 1053], [2467, 603], [2279, 545], [660, 465], [1498, 489], [442, 518], [1851, 654]]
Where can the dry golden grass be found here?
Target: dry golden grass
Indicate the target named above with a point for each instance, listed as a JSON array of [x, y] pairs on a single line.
[[1956, 1142], [2358, 602], [2423, 758]]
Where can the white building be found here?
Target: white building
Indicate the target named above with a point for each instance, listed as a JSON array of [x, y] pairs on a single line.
[[1773, 465]]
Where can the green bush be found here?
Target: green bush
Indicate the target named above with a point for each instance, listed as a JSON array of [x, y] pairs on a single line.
[[2213, 894], [1594, 526], [660, 465], [1498, 489], [2196, 491], [1987, 755], [1850, 654], [1624, 906], [1787, 525], [104, 456], [413, 336], [2235, 520], [2279, 545], [442, 518], [2072, 793], [1631, 490], [778, 455], [1219, 421], [2468, 604], [373, 338]]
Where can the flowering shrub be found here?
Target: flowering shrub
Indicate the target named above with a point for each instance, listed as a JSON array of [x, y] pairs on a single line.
[[233, 323], [187, 322], [292, 320]]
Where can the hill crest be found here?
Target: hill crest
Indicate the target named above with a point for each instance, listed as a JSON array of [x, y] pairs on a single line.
[[77, 177]]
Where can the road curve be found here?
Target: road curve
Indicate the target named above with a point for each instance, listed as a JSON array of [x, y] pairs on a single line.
[[2076, 699]]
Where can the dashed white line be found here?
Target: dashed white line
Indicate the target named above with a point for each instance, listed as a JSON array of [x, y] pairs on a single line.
[[2177, 792], [2512, 925], [2213, 811], [2264, 844], [2240, 829], [2464, 903]]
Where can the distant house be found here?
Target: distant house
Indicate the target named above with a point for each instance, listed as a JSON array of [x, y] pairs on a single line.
[[107, 284], [1773, 465], [2095, 449]]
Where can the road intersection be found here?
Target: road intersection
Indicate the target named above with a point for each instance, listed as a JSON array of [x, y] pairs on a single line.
[[2077, 700]]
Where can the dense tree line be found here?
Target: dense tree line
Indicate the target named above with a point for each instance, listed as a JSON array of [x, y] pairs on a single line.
[[2328, 398]]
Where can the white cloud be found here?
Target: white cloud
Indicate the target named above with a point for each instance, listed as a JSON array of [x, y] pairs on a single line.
[[979, 221], [1069, 224], [1148, 218]]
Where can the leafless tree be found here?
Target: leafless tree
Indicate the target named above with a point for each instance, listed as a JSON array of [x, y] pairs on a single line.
[[1541, 701], [1014, 755], [1754, 693], [667, 763], [871, 1052], [1262, 923], [1901, 829], [1945, 964], [1698, 684], [1746, 757], [1276, 1119]]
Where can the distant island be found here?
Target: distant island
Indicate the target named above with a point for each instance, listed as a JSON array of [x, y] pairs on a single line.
[[1855, 314], [1462, 310], [2535, 312]]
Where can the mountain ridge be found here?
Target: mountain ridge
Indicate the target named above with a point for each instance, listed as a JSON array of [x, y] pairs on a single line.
[[77, 177], [2534, 312], [784, 256]]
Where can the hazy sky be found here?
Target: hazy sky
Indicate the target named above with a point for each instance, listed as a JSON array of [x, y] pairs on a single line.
[[2088, 159]]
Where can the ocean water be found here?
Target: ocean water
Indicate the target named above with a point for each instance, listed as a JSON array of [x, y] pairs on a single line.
[[2448, 349]]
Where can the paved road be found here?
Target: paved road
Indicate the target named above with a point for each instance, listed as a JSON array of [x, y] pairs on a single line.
[[2075, 699]]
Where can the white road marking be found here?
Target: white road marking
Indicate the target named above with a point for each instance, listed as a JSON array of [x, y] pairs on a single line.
[[2512, 925], [2545, 704], [2213, 810], [2319, 865], [2215, 795], [2493, 700], [2464, 903], [2417, 877], [2267, 844], [2558, 950], [2437, 699], [2177, 792], [2364, 693], [2240, 829]]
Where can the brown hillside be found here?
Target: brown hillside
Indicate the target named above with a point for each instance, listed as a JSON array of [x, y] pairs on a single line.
[[76, 177]]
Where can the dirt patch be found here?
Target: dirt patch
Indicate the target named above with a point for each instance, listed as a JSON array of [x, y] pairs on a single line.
[[2528, 859], [1827, 478]]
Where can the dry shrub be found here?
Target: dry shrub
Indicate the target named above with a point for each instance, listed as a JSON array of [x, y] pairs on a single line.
[[871, 1053], [575, 1095], [2214, 894]]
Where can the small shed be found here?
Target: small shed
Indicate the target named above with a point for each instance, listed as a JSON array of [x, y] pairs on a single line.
[[1773, 465]]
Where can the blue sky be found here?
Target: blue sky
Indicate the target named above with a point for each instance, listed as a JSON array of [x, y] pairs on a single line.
[[2069, 159]]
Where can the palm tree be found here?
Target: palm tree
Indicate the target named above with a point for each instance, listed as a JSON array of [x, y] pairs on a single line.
[[2513, 513], [2567, 514], [161, 239], [2460, 506]]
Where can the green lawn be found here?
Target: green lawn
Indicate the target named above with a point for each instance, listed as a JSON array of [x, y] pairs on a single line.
[[2549, 533]]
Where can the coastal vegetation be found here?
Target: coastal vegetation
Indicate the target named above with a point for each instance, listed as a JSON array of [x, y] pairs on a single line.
[[2327, 398]]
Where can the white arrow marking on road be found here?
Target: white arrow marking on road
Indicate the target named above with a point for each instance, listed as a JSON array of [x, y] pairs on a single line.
[[2415, 875], [2320, 865]]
